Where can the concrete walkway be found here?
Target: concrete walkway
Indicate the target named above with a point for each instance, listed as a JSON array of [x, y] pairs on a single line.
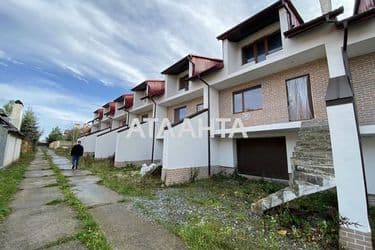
[[33, 223], [122, 227]]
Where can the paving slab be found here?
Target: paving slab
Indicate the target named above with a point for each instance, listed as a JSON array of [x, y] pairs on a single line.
[[38, 173], [39, 182], [34, 198], [71, 173], [70, 245], [91, 194], [39, 167], [67, 166], [79, 180], [34, 228], [61, 161], [125, 230]]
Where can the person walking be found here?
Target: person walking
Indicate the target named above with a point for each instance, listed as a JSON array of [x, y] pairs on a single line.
[[76, 153]]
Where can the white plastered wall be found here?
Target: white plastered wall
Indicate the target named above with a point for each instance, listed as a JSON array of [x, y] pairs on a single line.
[[176, 149], [105, 145], [17, 149], [89, 142], [348, 169], [132, 146], [10, 149]]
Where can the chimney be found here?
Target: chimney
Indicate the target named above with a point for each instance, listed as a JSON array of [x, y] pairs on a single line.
[[16, 114], [325, 6]]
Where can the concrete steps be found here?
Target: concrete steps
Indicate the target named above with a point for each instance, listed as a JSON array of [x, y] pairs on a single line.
[[288, 194], [312, 166]]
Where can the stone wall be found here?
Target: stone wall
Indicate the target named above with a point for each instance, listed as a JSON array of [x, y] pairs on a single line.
[[183, 175]]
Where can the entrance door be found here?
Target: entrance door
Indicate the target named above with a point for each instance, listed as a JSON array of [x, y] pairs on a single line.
[[299, 99], [263, 157]]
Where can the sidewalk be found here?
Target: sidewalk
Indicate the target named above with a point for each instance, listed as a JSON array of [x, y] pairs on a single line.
[[122, 227], [34, 224]]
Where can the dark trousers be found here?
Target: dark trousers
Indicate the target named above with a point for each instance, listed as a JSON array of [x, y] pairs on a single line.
[[75, 161]]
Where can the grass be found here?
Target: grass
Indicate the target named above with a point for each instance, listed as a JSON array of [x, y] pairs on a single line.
[[309, 222], [91, 234], [215, 213], [10, 177]]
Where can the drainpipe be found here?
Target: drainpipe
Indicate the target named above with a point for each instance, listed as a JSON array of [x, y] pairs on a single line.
[[127, 117], [209, 126], [208, 120], [349, 75], [153, 130]]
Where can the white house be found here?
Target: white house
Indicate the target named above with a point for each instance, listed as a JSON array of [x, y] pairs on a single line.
[[10, 135]]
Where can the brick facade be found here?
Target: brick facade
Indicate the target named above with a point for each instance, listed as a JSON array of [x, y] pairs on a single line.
[[183, 175], [363, 77], [275, 103], [354, 239], [191, 107]]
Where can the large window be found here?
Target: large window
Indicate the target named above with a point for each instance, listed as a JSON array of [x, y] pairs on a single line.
[[258, 50], [248, 100], [180, 114], [183, 83], [299, 98]]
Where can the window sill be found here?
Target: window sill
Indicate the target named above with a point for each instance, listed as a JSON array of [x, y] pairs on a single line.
[[246, 111]]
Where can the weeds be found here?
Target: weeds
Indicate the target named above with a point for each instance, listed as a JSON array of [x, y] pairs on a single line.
[[10, 178], [215, 213], [54, 202]]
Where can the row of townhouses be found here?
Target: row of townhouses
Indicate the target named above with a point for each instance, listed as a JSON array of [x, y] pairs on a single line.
[[304, 92]]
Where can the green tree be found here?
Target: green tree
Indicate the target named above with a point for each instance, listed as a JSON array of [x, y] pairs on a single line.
[[7, 108], [55, 135], [30, 127]]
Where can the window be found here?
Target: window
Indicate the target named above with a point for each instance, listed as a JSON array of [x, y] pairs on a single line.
[[183, 83], [248, 100], [258, 50], [180, 114], [199, 107], [299, 99], [144, 117]]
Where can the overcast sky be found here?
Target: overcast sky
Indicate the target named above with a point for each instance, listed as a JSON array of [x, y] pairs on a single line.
[[66, 58]]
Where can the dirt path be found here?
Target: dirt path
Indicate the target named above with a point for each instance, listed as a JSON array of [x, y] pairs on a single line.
[[122, 227], [33, 223]]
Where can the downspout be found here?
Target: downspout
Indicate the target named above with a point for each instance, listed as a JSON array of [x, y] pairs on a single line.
[[153, 130], [208, 121], [209, 125], [349, 75], [127, 118]]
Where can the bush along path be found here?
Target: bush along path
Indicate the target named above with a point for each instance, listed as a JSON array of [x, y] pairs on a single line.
[[39, 218], [121, 226]]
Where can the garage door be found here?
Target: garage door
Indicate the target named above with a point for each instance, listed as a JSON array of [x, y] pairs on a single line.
[[264, 157]]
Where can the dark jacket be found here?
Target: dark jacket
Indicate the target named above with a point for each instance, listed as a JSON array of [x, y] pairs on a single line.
[[77, 150]]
